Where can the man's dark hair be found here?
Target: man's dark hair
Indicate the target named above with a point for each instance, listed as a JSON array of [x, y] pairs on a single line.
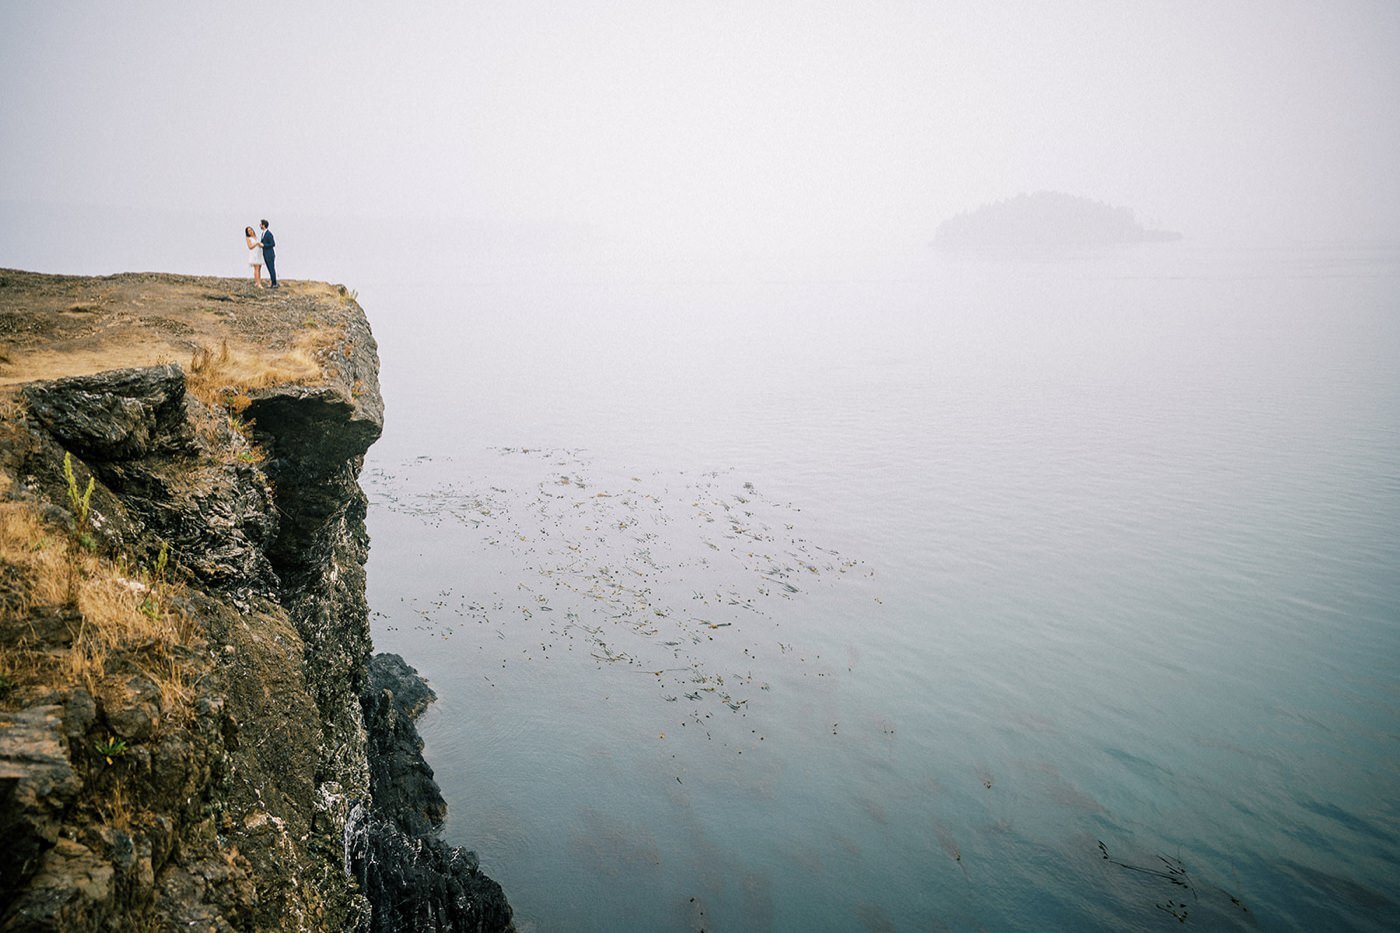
[[264, 224]]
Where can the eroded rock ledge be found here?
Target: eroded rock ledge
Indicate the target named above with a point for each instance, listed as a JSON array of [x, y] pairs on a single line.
[[185, 673], [394, 848]]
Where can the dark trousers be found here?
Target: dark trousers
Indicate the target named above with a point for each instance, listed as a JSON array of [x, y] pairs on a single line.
[[270, 260]]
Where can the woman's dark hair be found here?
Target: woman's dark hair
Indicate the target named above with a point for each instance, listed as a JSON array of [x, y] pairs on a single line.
[[247, 231]]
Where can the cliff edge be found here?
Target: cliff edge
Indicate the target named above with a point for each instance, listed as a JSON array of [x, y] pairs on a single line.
[[193, 732]]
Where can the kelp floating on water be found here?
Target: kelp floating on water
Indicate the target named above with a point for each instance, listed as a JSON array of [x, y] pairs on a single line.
[[670, 574], [1185, 897]]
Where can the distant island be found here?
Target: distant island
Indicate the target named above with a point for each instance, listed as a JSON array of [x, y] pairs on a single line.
[[1046, 218]]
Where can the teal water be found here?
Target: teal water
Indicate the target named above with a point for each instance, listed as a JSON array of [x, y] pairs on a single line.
[[1055, 591]]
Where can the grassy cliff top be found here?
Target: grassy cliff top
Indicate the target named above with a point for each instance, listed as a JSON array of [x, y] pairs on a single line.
[[223, 331]]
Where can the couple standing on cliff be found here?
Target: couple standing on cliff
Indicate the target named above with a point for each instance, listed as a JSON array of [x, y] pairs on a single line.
[[262, 250]]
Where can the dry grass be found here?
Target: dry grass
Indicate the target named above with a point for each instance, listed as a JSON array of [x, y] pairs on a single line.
[[12, 430], [85, 663], [128, 611], [119, 620], [64, 326], [35, 556], [223, 378], [117, 812], [118, 612], [172, 678]]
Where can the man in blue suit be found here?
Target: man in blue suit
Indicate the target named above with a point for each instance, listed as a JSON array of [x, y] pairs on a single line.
[[269, 245]]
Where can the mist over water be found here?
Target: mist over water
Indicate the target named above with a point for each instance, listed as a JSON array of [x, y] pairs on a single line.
[[1015, 589], [882, 602], [773, 569]]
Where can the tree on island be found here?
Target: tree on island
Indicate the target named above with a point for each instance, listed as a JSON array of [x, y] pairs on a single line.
[[1046, 218]]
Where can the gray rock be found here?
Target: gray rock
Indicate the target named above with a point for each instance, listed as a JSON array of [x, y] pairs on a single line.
[[79, 714], [413, 879], [37, 785], [73, 891], [412, 695], [133, 708], [401, 782], [116, 415]]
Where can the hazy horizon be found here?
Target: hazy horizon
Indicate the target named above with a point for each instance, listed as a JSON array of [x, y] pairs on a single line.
[[724, 130], [772, 568]]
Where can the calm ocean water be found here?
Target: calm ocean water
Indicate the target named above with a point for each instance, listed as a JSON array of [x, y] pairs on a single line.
[[1056, 591]]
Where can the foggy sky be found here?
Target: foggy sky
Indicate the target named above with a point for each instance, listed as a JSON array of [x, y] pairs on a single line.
[[730, 123]]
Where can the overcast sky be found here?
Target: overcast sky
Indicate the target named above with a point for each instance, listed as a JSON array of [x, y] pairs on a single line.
[[713, 122]]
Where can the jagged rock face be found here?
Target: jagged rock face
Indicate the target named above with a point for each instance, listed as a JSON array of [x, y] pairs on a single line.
[[316, 441], [172, 483], [115, 415], [421, 885], [73, 866], [251, 819], [401, 782], [270, 806], [37, 785], [414, 880]]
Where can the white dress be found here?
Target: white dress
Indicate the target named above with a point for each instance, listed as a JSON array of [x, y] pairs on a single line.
[[254, 254]]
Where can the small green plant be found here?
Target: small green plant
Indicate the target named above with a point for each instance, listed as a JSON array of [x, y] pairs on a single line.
[[112, 748], [241, 426], [162, 562], [81, 504], [153, 606]]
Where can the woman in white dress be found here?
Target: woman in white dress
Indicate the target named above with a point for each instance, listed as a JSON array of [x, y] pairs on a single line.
[[255, 256]]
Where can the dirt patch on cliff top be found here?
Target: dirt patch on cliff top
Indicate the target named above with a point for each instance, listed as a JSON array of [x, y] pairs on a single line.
[[52, 326]]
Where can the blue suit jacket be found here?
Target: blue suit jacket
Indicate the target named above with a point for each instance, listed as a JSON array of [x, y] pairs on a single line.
[[268, 243]]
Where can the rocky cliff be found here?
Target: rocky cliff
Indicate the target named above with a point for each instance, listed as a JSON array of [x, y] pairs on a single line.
[[193, 733]]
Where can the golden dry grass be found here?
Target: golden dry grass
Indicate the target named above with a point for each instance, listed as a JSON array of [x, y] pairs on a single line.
[[172, 677], [118, 611], [224, 377], [117, 811], [72, 326], [126, 610], [37, 558]]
